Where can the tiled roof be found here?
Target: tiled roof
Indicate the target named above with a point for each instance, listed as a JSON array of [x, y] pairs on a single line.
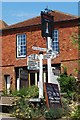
[[58, 16], [2, 24]]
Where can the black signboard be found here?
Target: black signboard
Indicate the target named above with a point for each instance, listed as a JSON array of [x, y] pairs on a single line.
[[52, 94], [46, 24]]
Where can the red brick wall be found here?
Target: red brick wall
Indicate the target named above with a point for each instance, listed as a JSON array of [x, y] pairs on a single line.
[[9, 71], [67, 50], [71, 67], [9, 47]]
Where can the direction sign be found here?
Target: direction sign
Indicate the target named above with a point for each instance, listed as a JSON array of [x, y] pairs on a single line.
[[33, 62], [50, 54], [33, 65], [33, 57], [39, 48]]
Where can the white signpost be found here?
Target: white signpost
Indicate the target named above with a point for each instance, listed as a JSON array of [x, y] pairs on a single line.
[[36, 62]]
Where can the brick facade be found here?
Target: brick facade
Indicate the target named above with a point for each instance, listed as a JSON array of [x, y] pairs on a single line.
[[68, 53]]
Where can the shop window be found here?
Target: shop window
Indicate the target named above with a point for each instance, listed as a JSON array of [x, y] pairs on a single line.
[[21, 45]]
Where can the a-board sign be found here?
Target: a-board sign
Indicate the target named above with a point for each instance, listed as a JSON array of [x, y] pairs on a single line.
[[52, 95]]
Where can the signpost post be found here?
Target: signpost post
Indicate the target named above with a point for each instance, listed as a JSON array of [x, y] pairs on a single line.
[[41, 76], [47, 29], [51, 90]]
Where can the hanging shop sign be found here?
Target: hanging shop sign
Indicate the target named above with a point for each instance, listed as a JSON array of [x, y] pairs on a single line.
[[46, 24], [33, 62]]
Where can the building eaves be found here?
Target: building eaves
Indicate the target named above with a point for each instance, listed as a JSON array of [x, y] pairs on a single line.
[[58, 17]]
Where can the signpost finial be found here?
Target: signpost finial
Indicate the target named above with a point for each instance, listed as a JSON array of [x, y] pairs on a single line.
[[47, 10]]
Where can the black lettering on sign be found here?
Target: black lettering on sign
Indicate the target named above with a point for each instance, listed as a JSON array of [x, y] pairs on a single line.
[[52, 95]]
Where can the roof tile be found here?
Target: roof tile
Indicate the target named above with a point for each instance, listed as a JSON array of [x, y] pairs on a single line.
[[58, 16]]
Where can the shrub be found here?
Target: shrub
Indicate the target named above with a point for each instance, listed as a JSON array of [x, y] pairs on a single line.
[[67, 84], [32, 91], [25, 109], [22, 109], [65, 106], [51, 113], [28, 92], [76, 114]]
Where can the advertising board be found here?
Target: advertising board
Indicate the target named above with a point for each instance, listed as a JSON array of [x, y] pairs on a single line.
[[52, 95]]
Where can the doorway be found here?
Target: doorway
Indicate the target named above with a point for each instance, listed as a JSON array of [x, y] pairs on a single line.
[[32, 78], [7, 83]]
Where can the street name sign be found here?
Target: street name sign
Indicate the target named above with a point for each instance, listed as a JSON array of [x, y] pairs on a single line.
[[39, 48]]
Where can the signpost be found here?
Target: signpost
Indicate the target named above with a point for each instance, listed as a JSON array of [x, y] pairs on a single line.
[[35, 62], [51, 90]]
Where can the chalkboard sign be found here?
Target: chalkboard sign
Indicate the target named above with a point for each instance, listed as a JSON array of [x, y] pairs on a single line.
[[52, 95]]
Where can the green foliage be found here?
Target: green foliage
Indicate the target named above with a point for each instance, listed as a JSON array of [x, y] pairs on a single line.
[[26, 109], [65, 106], [52, 114], [28, 92], [76, 114], [22, 109], [67, 84], [33, 92]]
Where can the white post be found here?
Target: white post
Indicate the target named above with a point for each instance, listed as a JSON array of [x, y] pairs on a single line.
[[36, 78], [18, 83], [8, 84], [41, 76], [44, 77], [49, 42]]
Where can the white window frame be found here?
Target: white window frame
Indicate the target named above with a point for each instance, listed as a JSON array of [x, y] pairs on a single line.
[[19, 46], [55, 42]]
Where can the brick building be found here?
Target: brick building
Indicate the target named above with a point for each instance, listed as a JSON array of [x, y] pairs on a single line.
[[18, 40]]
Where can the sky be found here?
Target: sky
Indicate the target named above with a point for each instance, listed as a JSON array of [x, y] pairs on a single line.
[[14, 12]]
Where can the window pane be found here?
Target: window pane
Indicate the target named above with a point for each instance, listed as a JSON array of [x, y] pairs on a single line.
[[21, 45], [55, 43]]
